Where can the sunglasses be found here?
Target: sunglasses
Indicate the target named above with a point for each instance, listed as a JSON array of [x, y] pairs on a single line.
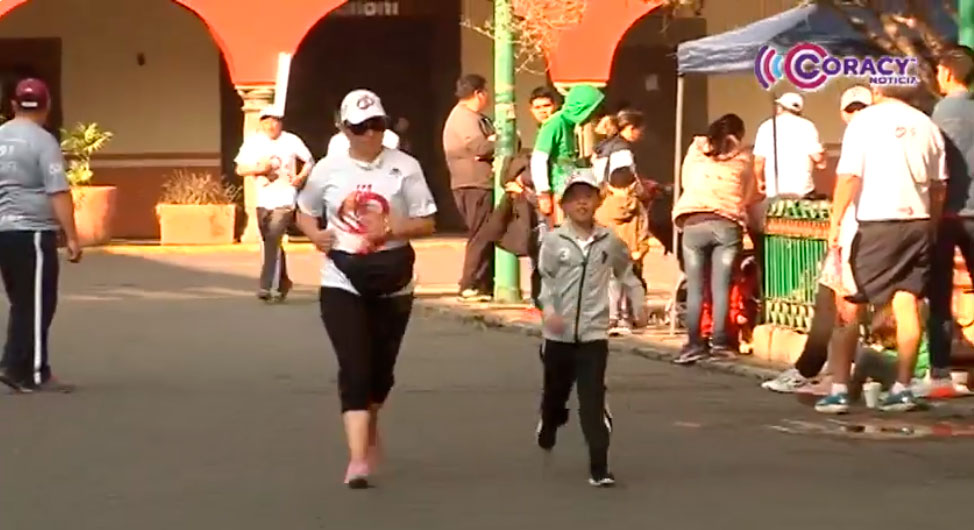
[[372, 124]]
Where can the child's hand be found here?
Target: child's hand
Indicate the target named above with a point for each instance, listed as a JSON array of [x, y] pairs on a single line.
[[555, 323], [545, 204]]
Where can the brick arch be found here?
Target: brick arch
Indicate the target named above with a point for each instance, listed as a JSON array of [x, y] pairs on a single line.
[[249, 33], [584, 53]]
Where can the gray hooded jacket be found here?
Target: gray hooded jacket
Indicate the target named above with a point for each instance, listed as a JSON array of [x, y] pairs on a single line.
[[575, 283]]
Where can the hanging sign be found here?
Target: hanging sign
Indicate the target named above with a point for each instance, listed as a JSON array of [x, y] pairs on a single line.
[[369, 8]]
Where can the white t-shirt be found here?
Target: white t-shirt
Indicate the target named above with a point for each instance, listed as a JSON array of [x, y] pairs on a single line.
[[283, 153], [798, 141], [340, 186], [898, 152], [338, 145]]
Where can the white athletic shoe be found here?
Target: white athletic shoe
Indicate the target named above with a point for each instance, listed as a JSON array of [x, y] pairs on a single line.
[[787, 382]]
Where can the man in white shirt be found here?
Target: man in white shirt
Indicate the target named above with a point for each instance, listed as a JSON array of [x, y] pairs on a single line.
[[893, 169], [272, 156], [799, 151]]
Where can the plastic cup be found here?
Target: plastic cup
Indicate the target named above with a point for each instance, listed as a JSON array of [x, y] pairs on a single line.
[[870, 393]]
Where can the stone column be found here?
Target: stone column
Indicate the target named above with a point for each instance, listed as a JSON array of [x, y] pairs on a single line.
[[255, 98]]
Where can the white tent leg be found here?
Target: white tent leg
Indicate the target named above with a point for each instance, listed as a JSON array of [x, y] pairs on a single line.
[[677, 167]]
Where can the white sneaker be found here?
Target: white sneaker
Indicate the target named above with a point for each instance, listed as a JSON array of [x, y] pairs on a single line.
[[787, 382], [621, 329]]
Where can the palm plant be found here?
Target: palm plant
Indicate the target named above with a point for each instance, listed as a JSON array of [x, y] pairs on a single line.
[[79, 144]]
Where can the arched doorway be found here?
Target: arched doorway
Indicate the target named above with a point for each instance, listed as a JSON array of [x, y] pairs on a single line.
[[644, 77], [147, 70], [408, 52]]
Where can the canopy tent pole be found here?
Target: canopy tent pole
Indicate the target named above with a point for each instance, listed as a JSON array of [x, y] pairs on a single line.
[[774, 144], [678, 145], [677, 168]]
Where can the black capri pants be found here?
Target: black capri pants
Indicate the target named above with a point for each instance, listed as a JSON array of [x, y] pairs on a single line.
[[366, 334]]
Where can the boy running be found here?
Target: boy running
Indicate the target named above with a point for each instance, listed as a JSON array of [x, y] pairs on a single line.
[[577, 261]]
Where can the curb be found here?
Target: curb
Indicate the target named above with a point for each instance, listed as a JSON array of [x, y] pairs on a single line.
[[484, 319]]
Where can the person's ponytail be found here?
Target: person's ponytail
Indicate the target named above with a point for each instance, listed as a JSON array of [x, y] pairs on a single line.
[[725, 135]]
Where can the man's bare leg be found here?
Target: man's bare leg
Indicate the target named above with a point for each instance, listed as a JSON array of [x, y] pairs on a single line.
[[906, 311], [845, 340]]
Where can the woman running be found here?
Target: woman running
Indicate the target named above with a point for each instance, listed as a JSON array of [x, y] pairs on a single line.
[[374, 201]]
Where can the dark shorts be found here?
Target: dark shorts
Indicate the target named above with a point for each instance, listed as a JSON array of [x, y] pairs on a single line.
[[890, 256]]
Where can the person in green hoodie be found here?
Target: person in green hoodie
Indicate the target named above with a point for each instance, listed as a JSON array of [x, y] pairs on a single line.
[[555, 149]]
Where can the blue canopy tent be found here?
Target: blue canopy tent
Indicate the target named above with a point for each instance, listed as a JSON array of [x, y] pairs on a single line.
[[735, 51]]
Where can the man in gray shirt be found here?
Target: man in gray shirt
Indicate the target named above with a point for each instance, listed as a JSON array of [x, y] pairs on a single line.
[[954, 114], [35, 203], [468, 141]]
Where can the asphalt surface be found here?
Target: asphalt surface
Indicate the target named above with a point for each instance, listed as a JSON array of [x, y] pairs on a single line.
[[201, 409]]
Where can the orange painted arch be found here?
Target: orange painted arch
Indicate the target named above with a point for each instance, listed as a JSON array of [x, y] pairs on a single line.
[[249, 33], [584, 53]]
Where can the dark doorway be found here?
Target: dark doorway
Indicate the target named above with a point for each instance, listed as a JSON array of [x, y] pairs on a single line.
[[410, 61], [644, 77], [23, 58], [333, 60]]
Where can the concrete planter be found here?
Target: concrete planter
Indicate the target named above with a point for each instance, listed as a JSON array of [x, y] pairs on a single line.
[[196, 224], [94, 210]]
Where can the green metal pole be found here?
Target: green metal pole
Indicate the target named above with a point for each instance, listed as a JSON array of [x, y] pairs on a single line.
[[965, 22], [507, 282]]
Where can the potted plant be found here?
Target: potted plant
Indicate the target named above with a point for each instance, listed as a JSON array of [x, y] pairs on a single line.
[[196, 209], [94, 206]]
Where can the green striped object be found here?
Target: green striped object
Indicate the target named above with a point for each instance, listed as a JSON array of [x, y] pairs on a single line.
[[792, 263]]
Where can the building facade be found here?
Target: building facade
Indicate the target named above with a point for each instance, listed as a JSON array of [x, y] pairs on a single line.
[[180, 81]]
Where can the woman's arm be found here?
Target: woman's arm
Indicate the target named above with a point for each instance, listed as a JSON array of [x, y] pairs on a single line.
[[323, 240]]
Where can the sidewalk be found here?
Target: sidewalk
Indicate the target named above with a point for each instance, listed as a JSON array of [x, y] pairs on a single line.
[[654, 342], [438, 266]]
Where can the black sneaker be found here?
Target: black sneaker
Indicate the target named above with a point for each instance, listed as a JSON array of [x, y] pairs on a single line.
[[691, 354], [547, 434], [54, 386], [15, 384], [602, 479]]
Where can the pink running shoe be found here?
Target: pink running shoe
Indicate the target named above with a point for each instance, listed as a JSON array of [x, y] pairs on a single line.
[[357, 475]]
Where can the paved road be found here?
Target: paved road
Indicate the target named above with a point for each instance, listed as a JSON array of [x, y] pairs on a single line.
[[200, 409]]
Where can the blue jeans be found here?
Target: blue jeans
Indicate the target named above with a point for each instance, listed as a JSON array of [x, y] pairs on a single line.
[[716, 243]]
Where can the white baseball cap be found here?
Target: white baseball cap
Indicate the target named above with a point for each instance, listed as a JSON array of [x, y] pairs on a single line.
[[582, 176], [360, 106], [272, 111], [791, 101], [856, 94]]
